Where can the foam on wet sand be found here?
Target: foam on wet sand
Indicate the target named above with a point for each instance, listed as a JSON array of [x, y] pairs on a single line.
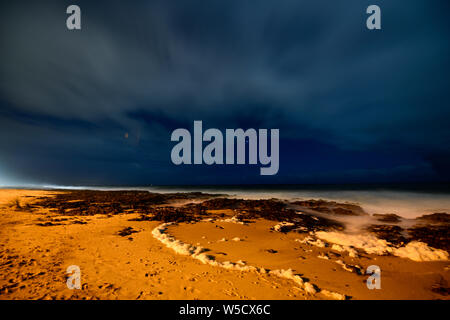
[[198, 252]]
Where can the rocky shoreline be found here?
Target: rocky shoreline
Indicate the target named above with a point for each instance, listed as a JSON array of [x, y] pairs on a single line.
[[302, 216]]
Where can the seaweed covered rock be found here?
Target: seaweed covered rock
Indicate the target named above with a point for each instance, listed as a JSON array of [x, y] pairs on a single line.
[[435, 236], [92, 202], [390, 233], [441, 217], [332, 207], [388, 217]]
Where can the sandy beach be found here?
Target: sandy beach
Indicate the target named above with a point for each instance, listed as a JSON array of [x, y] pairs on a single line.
[[139, 245]]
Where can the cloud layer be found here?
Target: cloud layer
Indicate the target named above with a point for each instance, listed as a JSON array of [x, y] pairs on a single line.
[[352, 105]]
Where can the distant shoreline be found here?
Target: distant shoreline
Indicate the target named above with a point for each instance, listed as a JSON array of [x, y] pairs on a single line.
[[425, 187]]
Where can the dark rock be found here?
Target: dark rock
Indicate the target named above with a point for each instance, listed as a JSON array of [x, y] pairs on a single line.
[[91, 202], [389, 217], [435, 236], [48, 224], [153, 207], [332, 207], [440, 217], [390, 233], [126, 232], [441, 288], [79, 222]]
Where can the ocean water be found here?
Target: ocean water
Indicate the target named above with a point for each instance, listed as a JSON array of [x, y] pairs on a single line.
[[408, 201]]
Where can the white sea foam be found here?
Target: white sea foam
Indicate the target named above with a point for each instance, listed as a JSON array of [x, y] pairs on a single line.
[[289, 274], [233, 219], [417, 251], [332, 295], [349, 267], [351, 251], [368, 243], [311, 241], [280, 226]]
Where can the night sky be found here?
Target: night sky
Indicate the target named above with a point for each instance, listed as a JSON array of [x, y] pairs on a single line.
[[97, 106]]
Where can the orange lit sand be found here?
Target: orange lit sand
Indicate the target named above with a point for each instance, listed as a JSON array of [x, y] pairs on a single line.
[[33, 261]]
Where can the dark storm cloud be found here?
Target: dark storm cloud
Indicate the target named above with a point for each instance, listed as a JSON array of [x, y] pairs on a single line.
[[352, 105]]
